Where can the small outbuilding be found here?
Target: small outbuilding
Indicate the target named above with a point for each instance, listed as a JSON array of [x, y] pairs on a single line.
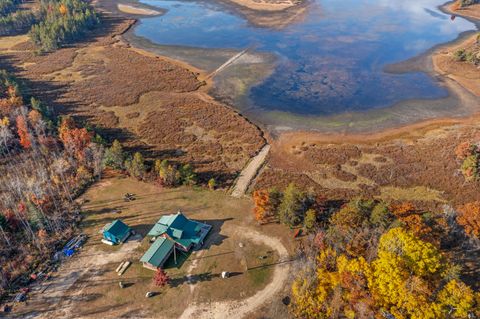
[[158, 253], [116, 232]]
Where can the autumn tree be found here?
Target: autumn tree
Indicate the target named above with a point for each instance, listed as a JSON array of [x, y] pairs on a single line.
[[212, 184], [310, 220], [468, 216], [261, 205], [407, 279], [168, 175], [22, 130], [160, 278]]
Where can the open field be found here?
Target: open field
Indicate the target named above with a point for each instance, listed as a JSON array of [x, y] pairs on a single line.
[[416, 165], [87, 285]]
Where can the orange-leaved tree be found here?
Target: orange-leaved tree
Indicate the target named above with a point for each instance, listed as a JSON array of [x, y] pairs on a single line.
[[22, 130], [469, 218], [261, 199]]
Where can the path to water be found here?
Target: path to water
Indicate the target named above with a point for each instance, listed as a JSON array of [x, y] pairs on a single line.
[[249, 172]]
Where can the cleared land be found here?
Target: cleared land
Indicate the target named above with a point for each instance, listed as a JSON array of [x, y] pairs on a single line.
[[87, 285]]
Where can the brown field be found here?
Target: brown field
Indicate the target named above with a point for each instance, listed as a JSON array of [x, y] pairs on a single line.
[[148, 103], [86, 285], [420, 168]]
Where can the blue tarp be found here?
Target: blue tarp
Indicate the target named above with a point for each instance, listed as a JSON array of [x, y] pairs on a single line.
[[68, 252]]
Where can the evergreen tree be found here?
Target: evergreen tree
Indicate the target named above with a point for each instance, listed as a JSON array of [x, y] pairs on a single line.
[[291, 209], [115, 156], [187, 175], [136, 166]]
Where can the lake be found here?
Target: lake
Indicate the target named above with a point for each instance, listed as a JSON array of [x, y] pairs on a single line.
[[330, 61]]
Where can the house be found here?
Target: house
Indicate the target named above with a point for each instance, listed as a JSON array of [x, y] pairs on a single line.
[[158, 253], [184, 232], [116, 232]]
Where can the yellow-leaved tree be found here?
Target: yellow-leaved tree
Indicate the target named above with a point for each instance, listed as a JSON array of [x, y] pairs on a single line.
[[409, 279]]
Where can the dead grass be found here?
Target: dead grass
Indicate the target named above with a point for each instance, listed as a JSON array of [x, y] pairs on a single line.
[[419, 168]]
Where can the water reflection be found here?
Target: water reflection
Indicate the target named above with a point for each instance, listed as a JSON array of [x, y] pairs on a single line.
[[329, 62]]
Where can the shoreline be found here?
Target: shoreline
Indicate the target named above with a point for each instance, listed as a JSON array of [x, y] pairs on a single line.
[[382, 134], [135, 10]]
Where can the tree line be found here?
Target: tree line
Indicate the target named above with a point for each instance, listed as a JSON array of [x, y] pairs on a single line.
[[13, 20], [61, 22], [165, 173], [373, 260], [45, 162]]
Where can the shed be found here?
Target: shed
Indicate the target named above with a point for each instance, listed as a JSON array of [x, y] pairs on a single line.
[[116, 232], [158, 253]]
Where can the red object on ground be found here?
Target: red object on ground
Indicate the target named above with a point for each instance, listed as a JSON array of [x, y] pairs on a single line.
[[297, 233], [33, 276]]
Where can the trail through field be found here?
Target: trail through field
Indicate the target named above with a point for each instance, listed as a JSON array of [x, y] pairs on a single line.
[[249, 172], [240, 308]]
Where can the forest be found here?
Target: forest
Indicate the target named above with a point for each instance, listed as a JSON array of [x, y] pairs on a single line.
[[61, 22], [371, 259], [45, 162], [13, 20]]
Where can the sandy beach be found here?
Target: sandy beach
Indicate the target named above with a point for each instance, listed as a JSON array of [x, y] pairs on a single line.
[[130, 9]]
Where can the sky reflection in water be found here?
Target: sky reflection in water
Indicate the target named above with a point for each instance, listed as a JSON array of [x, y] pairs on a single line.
[[330, 62]]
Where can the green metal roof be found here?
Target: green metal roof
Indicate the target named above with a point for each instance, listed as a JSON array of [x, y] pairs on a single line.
[[179, 228], [117, 228], [158, 252]]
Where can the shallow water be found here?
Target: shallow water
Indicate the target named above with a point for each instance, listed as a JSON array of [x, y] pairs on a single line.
[[328, 63]]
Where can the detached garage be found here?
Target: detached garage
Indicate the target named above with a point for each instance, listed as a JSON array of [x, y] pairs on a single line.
[[116, 232], [158, 253]]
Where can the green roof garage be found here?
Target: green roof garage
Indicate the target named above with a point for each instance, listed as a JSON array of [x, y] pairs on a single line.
[[116, 232], [157, 254]]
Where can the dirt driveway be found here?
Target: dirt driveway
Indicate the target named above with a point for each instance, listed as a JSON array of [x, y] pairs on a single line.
[[241, 308]]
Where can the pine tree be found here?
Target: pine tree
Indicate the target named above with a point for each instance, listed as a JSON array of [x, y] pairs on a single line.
[[114, 156], [136, 166], [291, 210]]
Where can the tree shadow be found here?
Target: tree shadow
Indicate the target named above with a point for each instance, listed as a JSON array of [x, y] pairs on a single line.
[[193, 279]]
